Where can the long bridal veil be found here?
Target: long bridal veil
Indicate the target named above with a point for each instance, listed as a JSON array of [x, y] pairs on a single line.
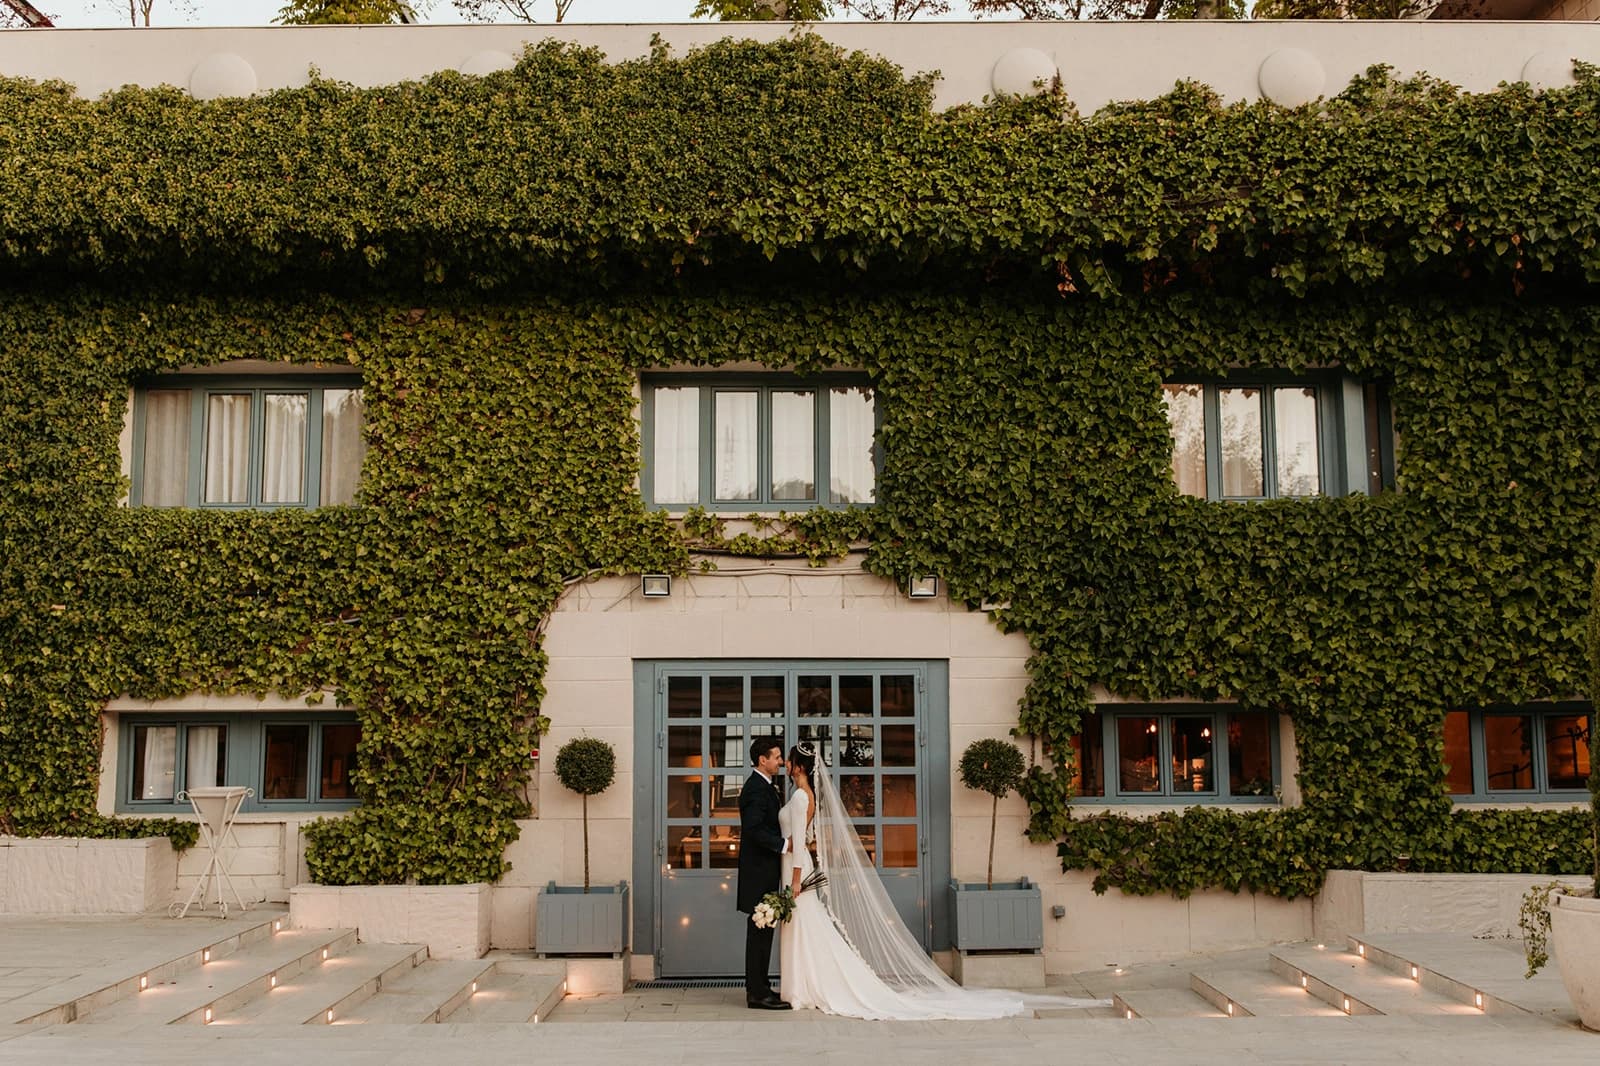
[[855, 897]]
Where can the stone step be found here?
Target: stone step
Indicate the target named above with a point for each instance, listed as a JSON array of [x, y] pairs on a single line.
[[322, 994], [1485, 974], [97, 989], [1354, 985], [1255, 993], [511, 997], [1162, 1003], [226, 983], [427, 993]]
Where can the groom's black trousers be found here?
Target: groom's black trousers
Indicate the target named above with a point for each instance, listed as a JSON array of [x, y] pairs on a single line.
[[757, 959]]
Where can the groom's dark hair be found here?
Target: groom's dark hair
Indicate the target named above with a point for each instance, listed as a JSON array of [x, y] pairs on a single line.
[[761, 745]]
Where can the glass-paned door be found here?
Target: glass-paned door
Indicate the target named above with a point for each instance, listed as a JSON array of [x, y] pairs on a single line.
[[867, 723]]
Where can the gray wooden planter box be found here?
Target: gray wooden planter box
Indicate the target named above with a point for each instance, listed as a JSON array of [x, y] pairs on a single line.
[[1007, 917], [571, 921]]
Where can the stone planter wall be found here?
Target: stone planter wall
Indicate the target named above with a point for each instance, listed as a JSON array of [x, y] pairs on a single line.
[[73, 875], [1483, 905], [452, 920]]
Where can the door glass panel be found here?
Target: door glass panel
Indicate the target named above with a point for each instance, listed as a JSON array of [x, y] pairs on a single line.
[[227, 460], [855, 696], [899, 745], [166, 447], [1249, 755], [1187, 420], [723, 848], [816, 696], [855, 793], [855, 745], [1458, 753], [727, 746], [205, 758], [899, 796], [1566, 745], [766, 697], [684, 847], [821, 737], [727, 697], [1294, 441], [1508, 750], [725, 791], [735, 445], [1193, 767], [155, 761], [899, 847], [794, 445], [1240, 411], [851, 425], [683, 797], [684, 697], [1139, 749], [338, 757], [288, 753], [683, 747], [283, 452], [675, 455], [899, 696], [869, 841]]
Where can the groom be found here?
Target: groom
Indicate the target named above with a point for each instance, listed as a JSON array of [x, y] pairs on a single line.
[[760, 862]]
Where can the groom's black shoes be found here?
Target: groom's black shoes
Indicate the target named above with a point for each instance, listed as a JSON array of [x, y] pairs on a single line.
[[770, 1002]]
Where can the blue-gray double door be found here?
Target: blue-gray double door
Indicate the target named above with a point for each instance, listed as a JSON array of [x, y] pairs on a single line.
[[879, 726]]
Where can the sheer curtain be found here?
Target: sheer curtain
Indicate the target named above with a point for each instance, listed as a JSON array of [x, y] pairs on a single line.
[[344, 446], [166, 447], [735, 459], [283, 460], [851, 427], [203, 756], [675, 449], [160, 762], [1187, 419], [228, 448], [794, 445]]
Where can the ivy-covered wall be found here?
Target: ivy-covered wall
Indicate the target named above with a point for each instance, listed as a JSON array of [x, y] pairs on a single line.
[[500, 256]]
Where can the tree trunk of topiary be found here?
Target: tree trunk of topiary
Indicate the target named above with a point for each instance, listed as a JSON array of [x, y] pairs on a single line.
[[994, 812], [586, 843]]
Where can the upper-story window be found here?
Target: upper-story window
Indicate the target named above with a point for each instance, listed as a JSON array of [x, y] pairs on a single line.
[[247, 442], [1517, 752], [1167, 754], [763, 443], [1275, 438]]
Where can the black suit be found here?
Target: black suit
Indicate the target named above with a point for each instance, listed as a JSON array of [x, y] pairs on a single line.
[[760, 866]]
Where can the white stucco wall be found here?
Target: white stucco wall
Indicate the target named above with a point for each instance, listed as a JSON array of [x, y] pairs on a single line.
[[1098, 62]]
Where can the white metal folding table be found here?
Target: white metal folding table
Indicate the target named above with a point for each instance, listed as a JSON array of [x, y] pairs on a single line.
[[217, 808]]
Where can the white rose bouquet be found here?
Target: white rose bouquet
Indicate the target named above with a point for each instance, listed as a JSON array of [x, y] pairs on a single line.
[[777, 907]]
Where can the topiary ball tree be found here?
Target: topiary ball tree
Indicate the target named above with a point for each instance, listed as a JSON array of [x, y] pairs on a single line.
[[587, 766], [995, 767]]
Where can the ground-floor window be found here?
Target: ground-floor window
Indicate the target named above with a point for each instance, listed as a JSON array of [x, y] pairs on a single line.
[[1196, 754], [1526, 751], [292, 761]]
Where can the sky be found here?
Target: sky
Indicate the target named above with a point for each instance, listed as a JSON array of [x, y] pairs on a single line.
[[86, 13]]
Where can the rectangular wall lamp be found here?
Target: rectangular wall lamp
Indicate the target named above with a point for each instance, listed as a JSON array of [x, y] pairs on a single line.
[[654, 585], [923, 587]]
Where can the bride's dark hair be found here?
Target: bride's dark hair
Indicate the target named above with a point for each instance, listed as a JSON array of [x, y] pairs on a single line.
[[806, 760]]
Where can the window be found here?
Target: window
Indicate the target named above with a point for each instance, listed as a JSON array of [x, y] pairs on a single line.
[[771, 442], [1501, 752], [247, 442], [1195, 754], [1273, 439], [292, 761]]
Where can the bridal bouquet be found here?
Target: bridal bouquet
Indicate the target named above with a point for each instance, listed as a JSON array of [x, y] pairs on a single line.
[[777, 907]]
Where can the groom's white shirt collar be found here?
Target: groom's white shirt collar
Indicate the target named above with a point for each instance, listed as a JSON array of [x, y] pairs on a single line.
[[764, 777]]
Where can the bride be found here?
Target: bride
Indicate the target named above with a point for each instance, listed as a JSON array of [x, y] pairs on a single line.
[[845, 950]]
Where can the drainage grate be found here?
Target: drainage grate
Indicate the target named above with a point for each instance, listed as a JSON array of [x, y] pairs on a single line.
[[691, 982]]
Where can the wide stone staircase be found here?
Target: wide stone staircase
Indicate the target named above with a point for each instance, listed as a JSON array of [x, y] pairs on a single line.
[[263, 973]]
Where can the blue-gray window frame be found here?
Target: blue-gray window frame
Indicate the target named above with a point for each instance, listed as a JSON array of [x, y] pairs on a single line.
[[764, 384], [200, 388], [1167, 797], [1342, 445], [1481, 792], [246, 758]]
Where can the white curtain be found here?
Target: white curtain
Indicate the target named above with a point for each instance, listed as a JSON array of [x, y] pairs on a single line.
[[675, 450], [735, 440], [1186, 418], [1294, 417], [203, 748], [283, 460], [228, 448], [166, 447], [344, 446], [160, 762], [853, 474], [794, 445], [1239, 411]]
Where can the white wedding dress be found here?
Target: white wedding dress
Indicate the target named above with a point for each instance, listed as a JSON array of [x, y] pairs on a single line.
[[819, 965]]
